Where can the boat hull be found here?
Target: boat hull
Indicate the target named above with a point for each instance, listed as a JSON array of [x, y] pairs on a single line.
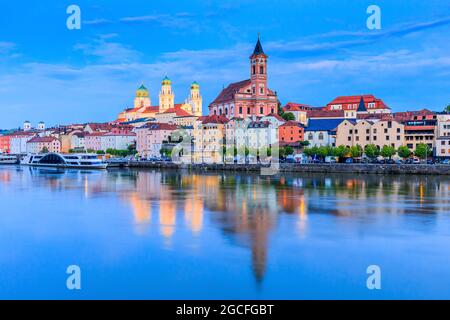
[[66, 166]]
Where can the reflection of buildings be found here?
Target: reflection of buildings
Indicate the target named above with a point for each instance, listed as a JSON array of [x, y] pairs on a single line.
[[246, 208]]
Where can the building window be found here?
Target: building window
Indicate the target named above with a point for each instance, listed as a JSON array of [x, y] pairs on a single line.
[[240, 110], [248, 110], [261, 69], [261, 110], [253, 69]]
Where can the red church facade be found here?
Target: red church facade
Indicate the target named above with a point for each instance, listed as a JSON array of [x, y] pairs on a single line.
[[250, 97]]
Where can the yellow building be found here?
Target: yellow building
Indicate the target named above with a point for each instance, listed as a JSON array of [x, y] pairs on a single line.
[[209, 137], [379, 133], [143, 108]]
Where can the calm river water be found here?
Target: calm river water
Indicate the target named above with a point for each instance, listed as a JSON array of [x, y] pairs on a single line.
[[179, 235]]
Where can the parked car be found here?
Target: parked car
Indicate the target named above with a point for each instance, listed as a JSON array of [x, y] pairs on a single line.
[[416, 161], [330, 160], [390, 161], [431, 161], [446, 161], [349, 160], [381, 161]]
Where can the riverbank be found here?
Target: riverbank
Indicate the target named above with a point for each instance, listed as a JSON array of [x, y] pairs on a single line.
[[419, 169]]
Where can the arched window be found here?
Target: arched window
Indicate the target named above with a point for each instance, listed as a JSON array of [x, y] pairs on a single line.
[[321, 136], [261, 69], [226, 111], [253, 69], [310, 136]]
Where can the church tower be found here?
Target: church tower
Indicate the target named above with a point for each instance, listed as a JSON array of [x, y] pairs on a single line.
[[258, 71], [166, 96], [142, 98], [195, 99]]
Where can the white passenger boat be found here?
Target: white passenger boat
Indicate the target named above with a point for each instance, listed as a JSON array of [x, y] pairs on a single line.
[[82, 161], [8, 159]]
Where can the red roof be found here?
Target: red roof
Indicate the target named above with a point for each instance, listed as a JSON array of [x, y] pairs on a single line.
[[151, 109], [409, 115], [228, 93], [178, 111], [324, 113], [215, 119], [368, 98], [42, 139], [95, 134], [292, 124], [292, 106]]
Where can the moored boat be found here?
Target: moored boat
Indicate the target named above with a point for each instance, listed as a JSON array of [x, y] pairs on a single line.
[[82, 161], [8, 159]]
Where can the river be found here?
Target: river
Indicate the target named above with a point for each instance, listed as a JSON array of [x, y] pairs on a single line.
[[148, 234]]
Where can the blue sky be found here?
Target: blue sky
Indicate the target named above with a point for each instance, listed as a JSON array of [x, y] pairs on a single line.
[[318, 49]]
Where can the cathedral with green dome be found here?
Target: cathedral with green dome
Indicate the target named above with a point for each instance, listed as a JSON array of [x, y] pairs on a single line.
[[143, 107]]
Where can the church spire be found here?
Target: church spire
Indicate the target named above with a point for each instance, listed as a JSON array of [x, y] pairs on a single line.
[[362, 106], [258, 48]]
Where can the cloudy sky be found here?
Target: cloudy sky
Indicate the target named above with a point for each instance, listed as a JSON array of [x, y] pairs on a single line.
[[318, 49]]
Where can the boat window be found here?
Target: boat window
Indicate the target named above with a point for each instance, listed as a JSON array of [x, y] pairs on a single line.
[[52, 159]]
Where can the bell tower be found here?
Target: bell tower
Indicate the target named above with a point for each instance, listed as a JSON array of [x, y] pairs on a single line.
[[258, 71], [166, 96], [142, 98], [195, 99]]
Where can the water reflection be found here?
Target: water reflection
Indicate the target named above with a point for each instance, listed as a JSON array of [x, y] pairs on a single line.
[[244, 208]]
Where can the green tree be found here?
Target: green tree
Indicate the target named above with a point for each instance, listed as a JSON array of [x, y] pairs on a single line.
[[388, 152], [304, 143], [100, 152], [44, 150], [404, 152], [447, 109], [341, 152], [421, 151], [356, 151], [371, 151], [288, 150], [288, 116]]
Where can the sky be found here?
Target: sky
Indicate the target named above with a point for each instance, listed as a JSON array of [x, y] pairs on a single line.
[[318, 50]]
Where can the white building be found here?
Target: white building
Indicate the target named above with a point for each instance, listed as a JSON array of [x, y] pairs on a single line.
[[117, 141], [19, 142], [443, 135], [322, 132], [262, 134], [77, 141]]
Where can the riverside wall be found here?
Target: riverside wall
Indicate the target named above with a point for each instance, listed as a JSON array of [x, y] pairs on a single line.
[[407, 169]]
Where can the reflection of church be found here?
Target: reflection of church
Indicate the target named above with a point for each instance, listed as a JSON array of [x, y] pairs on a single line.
[[143, 108]]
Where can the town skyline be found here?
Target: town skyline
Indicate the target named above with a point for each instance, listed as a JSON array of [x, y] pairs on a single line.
[[100, 66]]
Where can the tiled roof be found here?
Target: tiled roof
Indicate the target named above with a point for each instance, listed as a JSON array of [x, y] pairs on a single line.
[[323, 113], [292, 124], [368, 98], [214, 119], [323, 124], [159, 126], [228, 93], [178, 111], [292, 106], [42, 139]]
